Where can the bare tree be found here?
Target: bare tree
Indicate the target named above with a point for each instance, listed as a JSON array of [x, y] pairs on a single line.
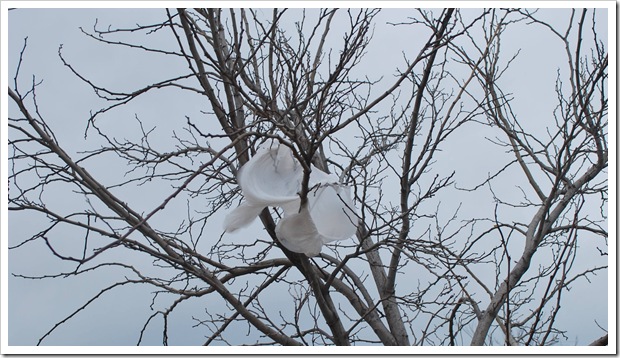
[[560, 167], [416, 272]]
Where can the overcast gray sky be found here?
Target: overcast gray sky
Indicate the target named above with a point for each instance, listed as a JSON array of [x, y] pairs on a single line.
[[34, 306]]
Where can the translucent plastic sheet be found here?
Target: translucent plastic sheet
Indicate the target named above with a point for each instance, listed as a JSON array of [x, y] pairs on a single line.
[[273, 178]]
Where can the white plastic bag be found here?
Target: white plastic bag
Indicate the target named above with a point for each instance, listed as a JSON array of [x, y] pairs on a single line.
[[273, 177]]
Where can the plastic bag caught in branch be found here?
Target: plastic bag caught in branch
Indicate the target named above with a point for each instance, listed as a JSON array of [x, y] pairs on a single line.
[[273, 178]]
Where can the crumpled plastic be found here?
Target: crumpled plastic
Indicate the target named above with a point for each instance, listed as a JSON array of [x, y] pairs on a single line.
[[273, 177]]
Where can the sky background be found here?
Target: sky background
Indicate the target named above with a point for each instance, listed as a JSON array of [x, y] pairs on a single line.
[[116, 319]]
